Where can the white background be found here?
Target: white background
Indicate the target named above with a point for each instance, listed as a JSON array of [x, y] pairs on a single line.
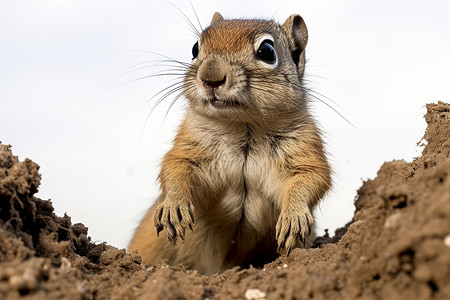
[[61, 104]]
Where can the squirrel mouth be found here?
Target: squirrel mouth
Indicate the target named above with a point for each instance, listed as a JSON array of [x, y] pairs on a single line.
[[218, 103]]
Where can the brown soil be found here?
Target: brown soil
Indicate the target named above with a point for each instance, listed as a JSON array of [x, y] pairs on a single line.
[[396, 247]]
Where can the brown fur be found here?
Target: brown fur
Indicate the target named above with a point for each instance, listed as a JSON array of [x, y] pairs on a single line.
[[246, 176]]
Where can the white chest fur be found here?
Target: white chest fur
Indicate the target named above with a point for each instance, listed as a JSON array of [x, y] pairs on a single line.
[[249, 181]]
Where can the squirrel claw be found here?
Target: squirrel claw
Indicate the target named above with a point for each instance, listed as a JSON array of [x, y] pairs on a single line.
[[174, 218], [291, 227]]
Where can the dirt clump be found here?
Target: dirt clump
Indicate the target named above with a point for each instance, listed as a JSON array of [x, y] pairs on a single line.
[[396, 247]]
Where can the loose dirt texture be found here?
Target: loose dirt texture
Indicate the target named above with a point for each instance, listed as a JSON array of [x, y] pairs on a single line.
[[396, 247]]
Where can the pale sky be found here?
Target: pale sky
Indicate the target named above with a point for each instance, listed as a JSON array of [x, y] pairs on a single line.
[[62, 62]]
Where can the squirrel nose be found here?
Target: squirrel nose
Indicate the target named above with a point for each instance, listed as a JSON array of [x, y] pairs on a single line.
[[213, 84]]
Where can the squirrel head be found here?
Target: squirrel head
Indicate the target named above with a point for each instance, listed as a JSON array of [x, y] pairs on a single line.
[[248, 70]]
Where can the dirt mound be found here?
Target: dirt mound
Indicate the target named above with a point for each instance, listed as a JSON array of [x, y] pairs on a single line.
[[396, 247]]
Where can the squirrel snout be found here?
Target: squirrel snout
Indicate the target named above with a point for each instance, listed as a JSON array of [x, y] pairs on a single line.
[[214, 84], [212, 73]]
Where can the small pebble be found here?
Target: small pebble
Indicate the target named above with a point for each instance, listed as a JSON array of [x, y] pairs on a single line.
[[82, 286], [447, 241], [254, 294], [392, 221], [65, 265], [26, 281], [285, 266]]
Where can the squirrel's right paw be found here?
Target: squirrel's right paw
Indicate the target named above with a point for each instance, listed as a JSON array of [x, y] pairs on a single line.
[[175, 218]]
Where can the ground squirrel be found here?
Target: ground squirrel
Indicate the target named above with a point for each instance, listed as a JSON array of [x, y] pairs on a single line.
[[247, 165]]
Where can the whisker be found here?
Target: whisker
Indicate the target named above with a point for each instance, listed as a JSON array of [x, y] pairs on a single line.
[[196, 16], [163, 90], [329, 99], [158, 54], [159, 101], [315, 76], [262, 87], [174, 68], [146, 77], [331, 107], [192, 31], [179, 87], [172, 103], [273, 16], [195, 30], [134, 66]]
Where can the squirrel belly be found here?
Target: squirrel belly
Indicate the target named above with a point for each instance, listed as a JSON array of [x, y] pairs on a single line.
[[248, 164]]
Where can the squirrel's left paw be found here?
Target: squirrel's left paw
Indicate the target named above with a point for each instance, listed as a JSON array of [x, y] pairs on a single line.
[[293, 224], [175, 218]]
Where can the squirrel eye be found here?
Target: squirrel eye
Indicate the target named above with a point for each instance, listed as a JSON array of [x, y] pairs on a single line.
[[266, 52], [195, 50]]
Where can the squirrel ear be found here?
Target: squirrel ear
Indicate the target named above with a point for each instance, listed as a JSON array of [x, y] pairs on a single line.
[[216, 18], [297, 34]]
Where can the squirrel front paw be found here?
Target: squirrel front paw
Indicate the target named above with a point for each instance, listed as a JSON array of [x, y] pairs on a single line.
[[175, 218], [293, 224]]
